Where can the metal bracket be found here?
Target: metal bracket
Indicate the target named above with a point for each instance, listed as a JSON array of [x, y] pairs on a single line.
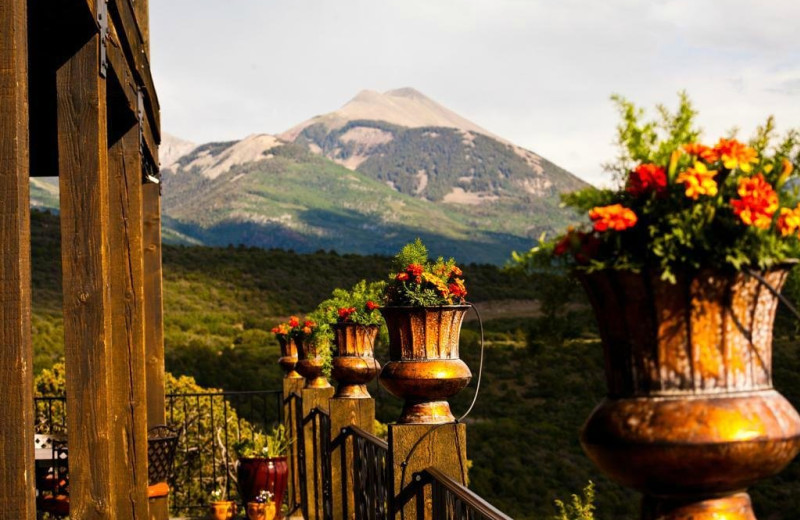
[[149, 173], [102, 24]]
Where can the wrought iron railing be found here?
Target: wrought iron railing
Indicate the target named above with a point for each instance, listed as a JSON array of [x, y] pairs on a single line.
[[453, 501], [370, 477], [294, 409], [210, 424]]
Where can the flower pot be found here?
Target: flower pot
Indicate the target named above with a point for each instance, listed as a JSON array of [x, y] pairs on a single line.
[[222, 510], [261, 510], [288, 360], [691, 418], [261, 474], [424, 367], [353, 363], [309, 365]]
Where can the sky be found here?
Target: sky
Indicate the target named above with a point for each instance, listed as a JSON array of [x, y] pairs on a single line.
[[536, 72]]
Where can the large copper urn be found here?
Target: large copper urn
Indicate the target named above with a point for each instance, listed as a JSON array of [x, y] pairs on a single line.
[[310, 364], [353, 363], [691, 418], [424, 367], [288, 359]]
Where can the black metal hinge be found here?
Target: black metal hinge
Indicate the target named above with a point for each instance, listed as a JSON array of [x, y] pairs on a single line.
[[150, 173], [102, 24]]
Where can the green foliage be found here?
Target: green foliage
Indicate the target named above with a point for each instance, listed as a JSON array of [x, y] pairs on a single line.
[[676, 223], [578, 508]]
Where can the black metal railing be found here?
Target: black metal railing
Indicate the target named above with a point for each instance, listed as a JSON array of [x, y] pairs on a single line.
[[293, 413], [210, 424], [453, 501], [370, 476]]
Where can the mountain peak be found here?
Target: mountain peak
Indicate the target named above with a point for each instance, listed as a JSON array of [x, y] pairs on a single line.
[[406, 107]]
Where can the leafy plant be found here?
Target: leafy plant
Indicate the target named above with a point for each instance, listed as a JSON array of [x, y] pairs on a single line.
[[218, 495], [579, 508], [418, 282], [277, 442], [682, 205]]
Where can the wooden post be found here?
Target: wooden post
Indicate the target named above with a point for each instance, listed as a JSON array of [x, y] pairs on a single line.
[[292, 386], [154, 322], [83, 171], [142, 10], [129, 408], [346, 412], [313, 398], [415, 447], [16, 352]]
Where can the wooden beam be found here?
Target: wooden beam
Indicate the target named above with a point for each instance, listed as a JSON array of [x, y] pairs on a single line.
[[129, 405], [142, 9], [154, 310], [83, 171], [16, 352], [123, 17]]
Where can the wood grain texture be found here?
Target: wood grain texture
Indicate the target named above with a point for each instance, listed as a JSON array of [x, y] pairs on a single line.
[[154, 307], [16, 351], [129, 406], [83, 170], [421, 446], [344, 413], [314, 398]]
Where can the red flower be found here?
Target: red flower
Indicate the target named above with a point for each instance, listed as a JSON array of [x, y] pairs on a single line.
[[309, 323], [758, 202], [457, 289], [564, 245], [415, 269], [401, 277], [345, 312], [371, 305], [294, 321], [647, 178]]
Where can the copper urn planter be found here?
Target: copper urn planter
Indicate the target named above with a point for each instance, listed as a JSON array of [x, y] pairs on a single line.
[[691, 418], [424, 367], [353, 363], [310, 365], [288, 359]]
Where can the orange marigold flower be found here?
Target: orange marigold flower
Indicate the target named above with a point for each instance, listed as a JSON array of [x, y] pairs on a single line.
[[345, 312], [309, 323], [455, 271], [294, 321], [401, 277], [457, 289], [787, 167], [698, 181], [789, 221], [306, 330], [415, 269], [736, 155], [615, 216], [371, 305], [702, 151], [757, 203], [646, 178]]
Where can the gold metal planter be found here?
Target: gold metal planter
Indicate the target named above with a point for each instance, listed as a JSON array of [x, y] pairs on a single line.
[[691, 418], [310, 365], [353, 363], [288, 360], [424, 367]]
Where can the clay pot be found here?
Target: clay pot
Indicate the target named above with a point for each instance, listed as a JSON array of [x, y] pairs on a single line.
[[353, 363], [424, 367], [261, 511], [222, 510], [262, 474], [288, 359], [691, 418], [310, 364]]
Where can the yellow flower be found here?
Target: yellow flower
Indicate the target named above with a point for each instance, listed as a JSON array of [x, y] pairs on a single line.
[[699, 181]]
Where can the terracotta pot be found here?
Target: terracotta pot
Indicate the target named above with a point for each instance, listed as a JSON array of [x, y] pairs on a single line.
[[222, 510], [288, 359], [261, 511], [424, 367], [691, 418], [260, 474], [353, 363], [309, 365]]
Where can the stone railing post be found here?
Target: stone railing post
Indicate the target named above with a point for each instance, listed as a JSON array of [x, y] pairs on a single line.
[[292, 389], [351, 405]]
